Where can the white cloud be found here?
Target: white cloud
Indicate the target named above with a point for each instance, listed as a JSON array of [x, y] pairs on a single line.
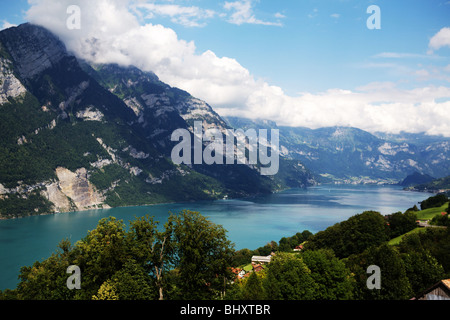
[[111, 33], [279, 15], [376, 107], [6, 25], [335, 15], [439, 40], [188, 16], [243, 13], [404, 55]]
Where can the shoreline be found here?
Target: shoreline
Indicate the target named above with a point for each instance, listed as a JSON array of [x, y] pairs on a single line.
[[228, 198]]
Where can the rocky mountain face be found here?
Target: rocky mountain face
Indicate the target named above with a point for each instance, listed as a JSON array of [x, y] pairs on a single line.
[[76, 136], [350, 155]]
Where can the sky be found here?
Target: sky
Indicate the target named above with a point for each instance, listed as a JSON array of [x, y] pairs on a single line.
[[310, 63]]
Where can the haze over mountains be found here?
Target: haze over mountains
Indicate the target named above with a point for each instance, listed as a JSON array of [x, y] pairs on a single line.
[[76, 136]]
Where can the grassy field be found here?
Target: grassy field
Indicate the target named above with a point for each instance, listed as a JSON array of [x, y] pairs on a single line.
[[428, 214], [397, 240]]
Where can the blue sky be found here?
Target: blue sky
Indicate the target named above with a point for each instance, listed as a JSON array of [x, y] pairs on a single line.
[[322, 44], [298, 55]]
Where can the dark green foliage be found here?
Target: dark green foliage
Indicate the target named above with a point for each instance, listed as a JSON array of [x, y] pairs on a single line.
[[13, 205], [435, 201], [423, 269], [133, 283], [414, 208], [203, 256], [353, 235], [400, 223], [394, 281], [332, 277], [441, 220], [253, 288], [287, 244], [434, 240], [188, 259], [288, 278]]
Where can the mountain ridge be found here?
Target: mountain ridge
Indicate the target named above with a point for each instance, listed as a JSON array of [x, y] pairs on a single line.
[[350, 155], [78, 137]]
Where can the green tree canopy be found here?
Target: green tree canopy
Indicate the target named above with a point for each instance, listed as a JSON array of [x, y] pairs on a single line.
[[401, 223], [189, 258], [353, 235], [333, 278], [203, 255], [288, 278], [394, 281]]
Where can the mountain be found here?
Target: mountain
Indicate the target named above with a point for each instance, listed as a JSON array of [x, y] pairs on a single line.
[[441, 185], [415, 179], [76, 136], [351, 155]]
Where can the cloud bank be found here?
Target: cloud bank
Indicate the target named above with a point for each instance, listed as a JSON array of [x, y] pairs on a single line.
[[112, 31]]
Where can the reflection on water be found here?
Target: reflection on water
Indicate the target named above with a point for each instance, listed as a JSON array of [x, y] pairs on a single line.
[[251, 222]]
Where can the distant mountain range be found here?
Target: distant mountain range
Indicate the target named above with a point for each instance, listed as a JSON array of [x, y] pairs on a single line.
[[351, 155], [76, 136]]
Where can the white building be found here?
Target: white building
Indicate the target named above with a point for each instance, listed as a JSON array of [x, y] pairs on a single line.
[[262, 259]]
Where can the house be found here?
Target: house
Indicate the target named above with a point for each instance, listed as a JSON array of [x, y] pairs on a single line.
[[257, 267], [439, 291], [298, 248], [262, 259], [240, 273]]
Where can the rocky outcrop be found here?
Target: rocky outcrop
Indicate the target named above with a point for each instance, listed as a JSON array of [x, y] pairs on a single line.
[[60, 201], [73, 192], [10, 86], [76, 186]]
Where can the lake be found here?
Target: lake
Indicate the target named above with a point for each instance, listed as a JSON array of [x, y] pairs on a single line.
[[251, 222]]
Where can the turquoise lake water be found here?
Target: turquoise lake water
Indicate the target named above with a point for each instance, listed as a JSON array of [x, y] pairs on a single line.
[[251, 222]]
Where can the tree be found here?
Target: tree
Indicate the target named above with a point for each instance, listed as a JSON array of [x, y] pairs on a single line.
[[107, 291], [44, 280], [100, 254], [394, 281], [189, 259], [401, 223], [351, 236], [289, 243], [284, 245], [242, 257], [422, 269], [132, 282], [152, 248], [333, 278], [441, 220], [436, 241], [203, 256], [288, 278], [434, 201], [252, 288]]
